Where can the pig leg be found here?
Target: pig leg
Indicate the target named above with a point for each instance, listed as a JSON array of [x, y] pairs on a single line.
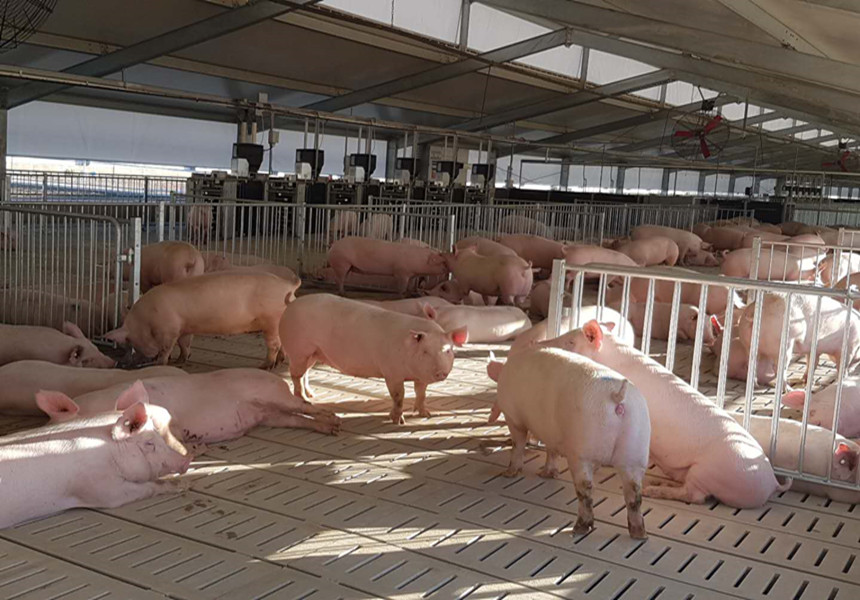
[[341, 270], [184, 348], [299, 367], [550, 469], [273, 345], [519, 437], [686, 492], [631, 483], [163, 356], [582, 472], [420, 399], [285, 419], [506, 300], [397, 390]]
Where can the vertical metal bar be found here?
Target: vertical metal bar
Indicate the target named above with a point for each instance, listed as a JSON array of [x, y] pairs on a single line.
[[724, 351], [134, 284], [556, 297], [700, 332], [843, 359], [672, 342], [160, 222], [756, 332], [782, 364], [649, 315]]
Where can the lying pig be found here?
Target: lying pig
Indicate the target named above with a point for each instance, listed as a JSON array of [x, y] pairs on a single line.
[[454, 293], [485, 246], [726, 238], [32, 307], [508, 278], [165, 262], [539, 251], [774, 265], [819, 454], [212, 304], [585, 412], [652, 251], [695, 443], [378, 257], [215, 261], [539, 299], [409, 306], [486, 324], [802, 313], [690, 246], [792, 227], [103, 461], [367, 341], [822, 407], [661, 320], [715, 304], [738, 362], [849, 263], [23, 379], [207, 407], [538, 335], [765, 237], [576, 255], [67, 347]]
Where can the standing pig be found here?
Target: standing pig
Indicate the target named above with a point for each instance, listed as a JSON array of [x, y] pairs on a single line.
[[485, 246], [23, 379], [486, 324], [284, 273], [577, 255], [802, 314], [377, 227], [725, 238], [823, 406], [165, 262], [378, 257], [661, 320], [538, 250], [715, 303], [206, 407], [585, 412], [652, 251], [213, 304], [67, 347], [199, 224], [367, 341], [507, 277], [695, 443], [690, 246], [104, 461]]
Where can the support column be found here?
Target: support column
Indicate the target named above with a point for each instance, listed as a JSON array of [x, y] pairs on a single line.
[[3, 148], [619, 180], [564, 176], [664, 185], [465, 12], [733, 179], [701, 187], [391, 158]]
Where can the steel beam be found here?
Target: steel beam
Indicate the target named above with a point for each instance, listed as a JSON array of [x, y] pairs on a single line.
[[502, 55], [770, 24], [178, 39]]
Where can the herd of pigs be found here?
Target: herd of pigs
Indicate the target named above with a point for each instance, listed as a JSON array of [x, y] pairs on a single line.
[[589, 395]]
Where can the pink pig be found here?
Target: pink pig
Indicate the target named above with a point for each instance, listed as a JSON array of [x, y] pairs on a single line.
[[576, 255], [508, 278], [378, 257], [67, 347], [652, 251], [367, 341], [103, 461], [689, 244], [585, 412], [695, 443], [823, 405], [485, 246], [207, 407], [661, 319], [165, 262], [539, 251]]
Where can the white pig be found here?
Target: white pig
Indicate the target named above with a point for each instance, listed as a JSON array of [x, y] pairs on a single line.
[[823, 406], [695, 443], [409, 306], [486, 324], [367, 341], [508, 278], [585, 412], [661, 320], [67, 347], [611, 318], [104, 461]]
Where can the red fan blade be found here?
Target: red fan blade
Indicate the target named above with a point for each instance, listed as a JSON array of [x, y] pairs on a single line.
[[842, 165], [706, 152], [712, 124], [684, 134], [828, 164]]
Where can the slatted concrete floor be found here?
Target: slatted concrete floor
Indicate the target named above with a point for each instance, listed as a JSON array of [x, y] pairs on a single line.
[[416, 511]]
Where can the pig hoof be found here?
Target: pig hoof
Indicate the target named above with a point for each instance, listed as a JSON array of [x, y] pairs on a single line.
[[581, 527], [548, 473], [397, 417], [424, 413], [638, 534], [511, 472]]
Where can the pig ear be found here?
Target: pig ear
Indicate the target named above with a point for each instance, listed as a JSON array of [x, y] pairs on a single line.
[[429, 311], [593, 333], [609, 326], [56, 405], [794, 399], [460, 336], [118, 336], [133, 419], [136, 393], [73, 330], [716, 324], [75, 356], [846, 456]]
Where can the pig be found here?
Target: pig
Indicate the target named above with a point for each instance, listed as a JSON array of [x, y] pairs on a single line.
[[284, 273], [539, 299], [32, 307], [522, 224], [805, 239], [774, 265], [344, 223], [24, 378], [726, 238], [207, 407], [412, 242], [165, 262], [410, 306], [701, 229], [377, 227], [715, 303], [661, 319], [792, 227], [103, 461], [67, 347], [822, 407], [378, 257], [199, 223], [749, 238], [769, 228], [508, 278], [701, 258], [212, 304], [538, 250], [454, 293], [849, 263], [652, 251], [695, 443], [538, 335], [802, 313], [738, 360], [577, 255], [689, 244], [585, 412], [486, 324], [368, 341], [852, 279], [819, 453], [485, 246], [215, 261]]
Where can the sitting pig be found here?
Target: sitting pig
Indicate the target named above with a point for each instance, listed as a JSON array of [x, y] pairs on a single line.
[[695, 443], [211, 304], [583, 411], [165, 262], [367, 341], [67, 347], [378, 257], [823, 406], [508, 278], [103, 461], [23, 379], [207, 407]]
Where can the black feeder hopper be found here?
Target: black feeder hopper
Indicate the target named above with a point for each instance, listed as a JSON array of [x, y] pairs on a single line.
[[315, 158], [485, 169], [447, 166], [367, 161], [253, 153], [406, 164]]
